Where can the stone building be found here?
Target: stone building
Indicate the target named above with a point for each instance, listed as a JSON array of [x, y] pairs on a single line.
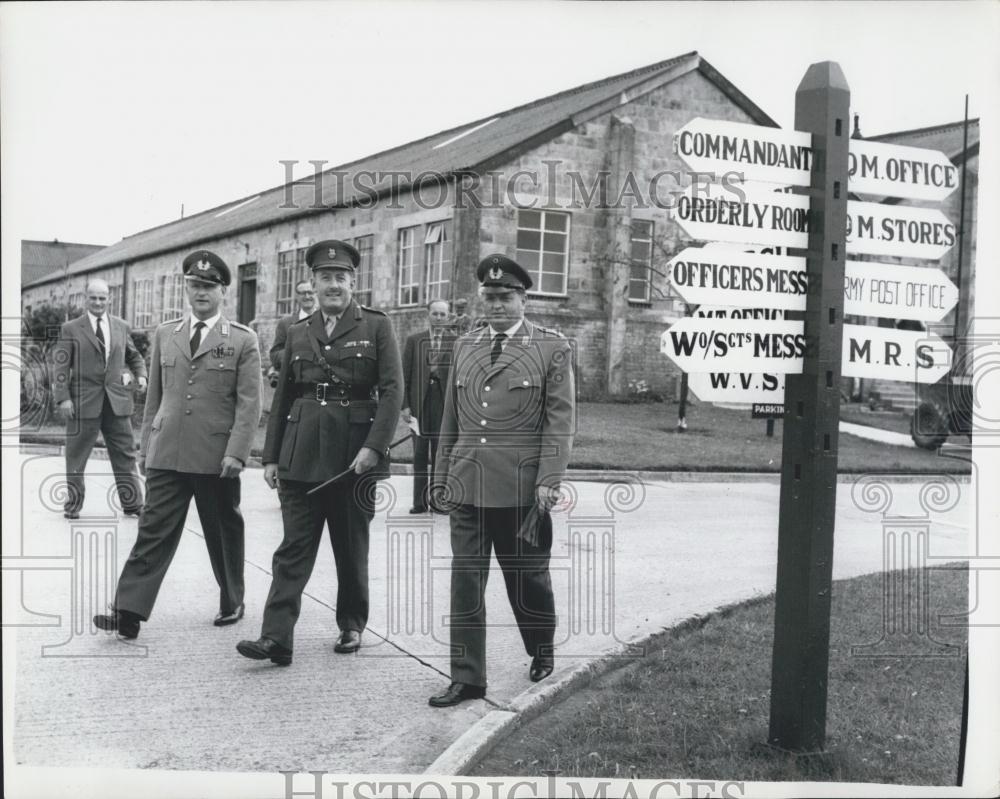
[[575, 186]]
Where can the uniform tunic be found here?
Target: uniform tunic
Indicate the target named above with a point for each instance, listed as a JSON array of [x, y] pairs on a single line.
[[507, 429], [312, 439], [198, 410]]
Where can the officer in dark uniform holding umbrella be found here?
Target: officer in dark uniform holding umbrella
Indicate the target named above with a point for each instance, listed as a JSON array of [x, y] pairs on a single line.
[[335, 408]]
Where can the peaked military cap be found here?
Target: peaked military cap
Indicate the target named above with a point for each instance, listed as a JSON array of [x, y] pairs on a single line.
[[207, 266], [502, 272], [332, 254]]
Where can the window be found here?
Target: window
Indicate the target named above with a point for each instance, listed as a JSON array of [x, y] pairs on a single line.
[[640, 271], [543, 249], [437, 260], [115, 300], [77, 300], [172, 292], [291, 270], [142, 304], [363, 282], [407, 268]]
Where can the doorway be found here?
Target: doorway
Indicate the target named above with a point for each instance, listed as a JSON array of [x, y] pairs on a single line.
[[247, 298]]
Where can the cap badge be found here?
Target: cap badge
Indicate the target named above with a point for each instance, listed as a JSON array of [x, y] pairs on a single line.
[[331, 254], [204, 266], [496, 272]]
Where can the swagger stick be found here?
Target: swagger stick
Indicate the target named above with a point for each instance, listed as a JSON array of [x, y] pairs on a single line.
[[348, 470]]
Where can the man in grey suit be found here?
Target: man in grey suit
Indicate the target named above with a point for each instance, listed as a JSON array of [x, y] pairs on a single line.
[[202, 410], [426, 362], [305, 298], [95, 368]]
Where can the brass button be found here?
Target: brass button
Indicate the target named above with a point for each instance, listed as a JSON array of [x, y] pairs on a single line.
[[525, 382], [189, 396], [359, 355], [190, 382], [482, 441], [326, 347], [487, 388], [486, 405], [483, 423], [188, 411]]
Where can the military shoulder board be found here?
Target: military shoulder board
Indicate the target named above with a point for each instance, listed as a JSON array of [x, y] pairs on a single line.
[[550, 331], [373, 310], [241, 326]]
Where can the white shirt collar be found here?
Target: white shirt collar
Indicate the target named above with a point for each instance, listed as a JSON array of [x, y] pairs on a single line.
[[509, 332], [93, 320], [303, 314], [209, 324]]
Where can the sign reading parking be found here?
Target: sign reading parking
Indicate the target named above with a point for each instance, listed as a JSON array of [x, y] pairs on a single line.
[[897, 171], [734, 213]]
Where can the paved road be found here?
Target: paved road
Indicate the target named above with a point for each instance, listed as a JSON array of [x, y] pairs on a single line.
[[627, 561]]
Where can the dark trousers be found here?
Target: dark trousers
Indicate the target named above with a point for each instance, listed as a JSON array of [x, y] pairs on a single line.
[[474, 533], [347, 510], [168, 496], [425, 445], [424, 454], [81, 435]]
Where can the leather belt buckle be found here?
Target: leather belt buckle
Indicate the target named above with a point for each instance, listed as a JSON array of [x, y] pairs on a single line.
[[321, 395]]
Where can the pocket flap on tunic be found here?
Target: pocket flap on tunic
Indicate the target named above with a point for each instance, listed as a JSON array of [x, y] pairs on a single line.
[[523, 381], [361, 412]]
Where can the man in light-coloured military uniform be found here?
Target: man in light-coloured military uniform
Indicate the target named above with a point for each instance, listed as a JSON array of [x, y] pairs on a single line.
[[335, 408], [504, 445], [202, 410]]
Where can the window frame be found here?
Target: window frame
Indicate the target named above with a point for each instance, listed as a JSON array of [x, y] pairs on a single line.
[[142, 303], [413, 249], [538, 274], [438, 255], [647, 266], [365, 280]]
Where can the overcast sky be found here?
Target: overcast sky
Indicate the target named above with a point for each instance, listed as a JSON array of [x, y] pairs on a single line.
[[113, 115]]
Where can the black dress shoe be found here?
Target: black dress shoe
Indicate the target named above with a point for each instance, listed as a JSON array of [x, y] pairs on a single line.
[[349, 641], [232, 617], [418, 509], [457, 693], [121, 621], [541, 667], [71, 514], [265, 649]]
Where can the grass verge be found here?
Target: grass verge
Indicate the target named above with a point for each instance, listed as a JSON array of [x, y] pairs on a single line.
[[644, 437], [696, 705]]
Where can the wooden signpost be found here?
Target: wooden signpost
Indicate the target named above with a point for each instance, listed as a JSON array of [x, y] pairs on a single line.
[[783, 345]]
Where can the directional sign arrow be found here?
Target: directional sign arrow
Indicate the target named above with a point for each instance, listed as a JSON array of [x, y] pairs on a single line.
[[778, 346], [716, 276], [744, 387], [890, 354], [897, 171], [721, 147], [735, 345], [898, 230], [737, 213], [896, 291], [722, 276]]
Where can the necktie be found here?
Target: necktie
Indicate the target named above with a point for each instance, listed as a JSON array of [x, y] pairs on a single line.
[[196, 338], [100, 338], [331, 323], [437, 342], [498, 341]]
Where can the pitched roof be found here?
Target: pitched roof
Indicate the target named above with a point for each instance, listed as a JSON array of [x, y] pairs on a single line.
[[42, 258], [947, 138], [477, 145]]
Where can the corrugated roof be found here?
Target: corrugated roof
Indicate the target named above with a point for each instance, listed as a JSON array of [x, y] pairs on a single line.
[[478, 145], [42, 258]]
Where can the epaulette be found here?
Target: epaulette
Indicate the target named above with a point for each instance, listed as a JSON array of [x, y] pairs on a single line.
[[372, 310], [178, 322], [549, 330], [240, 326]]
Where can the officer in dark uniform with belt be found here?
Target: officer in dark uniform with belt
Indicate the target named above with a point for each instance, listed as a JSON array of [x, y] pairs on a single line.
[[335, 408]]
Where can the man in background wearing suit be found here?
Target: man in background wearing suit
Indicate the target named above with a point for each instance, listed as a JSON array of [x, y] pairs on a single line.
[[202, 410], [426, 362], [95, 365], [305, 298], [505, 444]]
